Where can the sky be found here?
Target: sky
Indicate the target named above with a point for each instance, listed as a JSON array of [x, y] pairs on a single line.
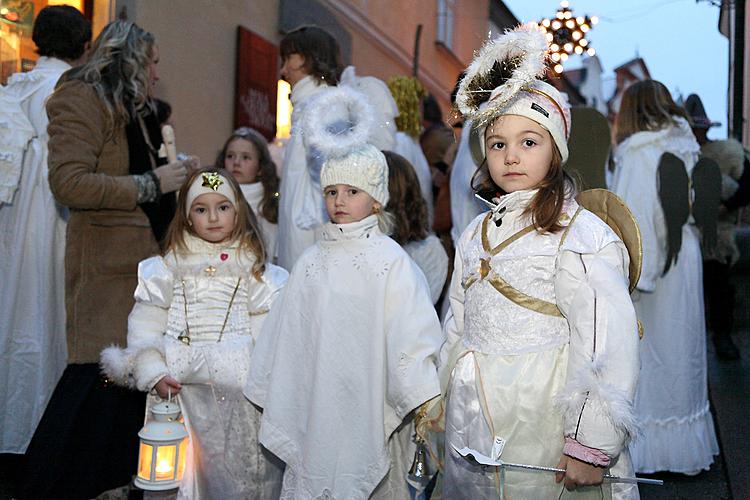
[[678, 39]]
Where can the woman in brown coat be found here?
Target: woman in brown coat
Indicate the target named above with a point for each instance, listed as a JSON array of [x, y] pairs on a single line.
[[103, 165]]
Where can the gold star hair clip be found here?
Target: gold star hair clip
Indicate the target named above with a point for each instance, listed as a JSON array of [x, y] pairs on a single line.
[[212, 180]]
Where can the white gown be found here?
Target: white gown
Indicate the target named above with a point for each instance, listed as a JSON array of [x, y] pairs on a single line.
[[254, 195], [409, 148], [301, 210], [346, 354], [33, 351], [538, 373], [672, 399], [464, 206], [431, 258], [195, 293]]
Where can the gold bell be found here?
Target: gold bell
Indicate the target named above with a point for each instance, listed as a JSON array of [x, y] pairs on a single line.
[[418, 470]]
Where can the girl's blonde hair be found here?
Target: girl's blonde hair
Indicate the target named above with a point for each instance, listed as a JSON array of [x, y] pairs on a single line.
[[118, 69], [245, 229], [405, 201], [547, 205], [269, 205], [646, 106]]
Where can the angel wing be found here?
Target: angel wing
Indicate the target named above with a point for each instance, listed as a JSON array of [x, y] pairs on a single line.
[[706, 177], [674, 194]]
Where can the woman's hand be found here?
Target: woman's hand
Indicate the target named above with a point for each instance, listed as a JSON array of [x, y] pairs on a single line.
[[192, 163], [578, 473], [171, 176], [167, 386]]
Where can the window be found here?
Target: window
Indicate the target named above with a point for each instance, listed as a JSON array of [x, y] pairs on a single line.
[[445, 20], [17, 50]]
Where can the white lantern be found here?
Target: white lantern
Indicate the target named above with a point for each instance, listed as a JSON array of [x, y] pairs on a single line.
[[161, 459]]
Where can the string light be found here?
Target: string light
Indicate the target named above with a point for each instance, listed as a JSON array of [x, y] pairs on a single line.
[[567, 34]]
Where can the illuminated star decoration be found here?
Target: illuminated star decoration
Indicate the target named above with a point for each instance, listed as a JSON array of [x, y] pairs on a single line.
[[212, 180], [567, 34]]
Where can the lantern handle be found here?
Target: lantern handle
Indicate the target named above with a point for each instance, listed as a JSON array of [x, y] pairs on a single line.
[[169, 394]]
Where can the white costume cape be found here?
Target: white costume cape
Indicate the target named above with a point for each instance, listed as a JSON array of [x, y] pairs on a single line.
[[222, 424], [530, 377], [431, 258], [301, 209], [672, 399], [409, 148], [32, 251], [254, 195], [348, 352], [464, 206]]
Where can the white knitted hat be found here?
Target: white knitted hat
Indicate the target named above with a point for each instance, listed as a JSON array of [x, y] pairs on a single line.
[[542, 103], [209, 182], [364, 168]]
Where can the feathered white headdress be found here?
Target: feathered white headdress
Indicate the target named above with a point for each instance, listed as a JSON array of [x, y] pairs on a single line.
[[337, 122], [502, 67], [338, 127]]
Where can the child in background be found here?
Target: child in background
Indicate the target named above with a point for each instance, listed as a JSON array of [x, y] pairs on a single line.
[[411, 226], [672, 400], [349, 350], [199, 309], [542, 338], [245, 155]]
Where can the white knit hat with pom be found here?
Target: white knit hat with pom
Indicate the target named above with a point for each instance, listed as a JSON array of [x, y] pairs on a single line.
[[364, 168]]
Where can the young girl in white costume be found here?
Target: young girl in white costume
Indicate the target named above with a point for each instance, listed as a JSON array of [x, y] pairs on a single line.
[[199, 309], [350, 348], [542, 338], [246, 156]]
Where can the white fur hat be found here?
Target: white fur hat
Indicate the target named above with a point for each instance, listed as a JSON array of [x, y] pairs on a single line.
[[504, 79], [364, 168]]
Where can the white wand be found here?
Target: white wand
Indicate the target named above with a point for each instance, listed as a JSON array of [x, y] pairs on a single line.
[[479, 458]]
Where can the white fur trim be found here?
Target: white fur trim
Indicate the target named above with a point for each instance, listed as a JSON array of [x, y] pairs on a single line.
[[615, 405], [117, 364], [337, 122]]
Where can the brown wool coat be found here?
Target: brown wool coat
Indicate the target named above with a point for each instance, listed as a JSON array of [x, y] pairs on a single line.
[[107, 233]]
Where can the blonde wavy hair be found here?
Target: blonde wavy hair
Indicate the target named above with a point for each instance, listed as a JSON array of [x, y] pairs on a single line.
[[118, 69]]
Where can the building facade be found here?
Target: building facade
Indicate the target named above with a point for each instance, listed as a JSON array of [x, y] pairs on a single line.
[[201, 57]]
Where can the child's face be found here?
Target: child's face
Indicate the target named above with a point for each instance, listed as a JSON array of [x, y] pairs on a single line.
[[519, 152], [213, 217], [242, 160], [293, 68], [346, 203]]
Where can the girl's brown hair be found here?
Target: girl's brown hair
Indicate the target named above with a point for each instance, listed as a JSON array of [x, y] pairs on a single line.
[[320, 50], [405, 202], [547, 204], [245, 229], [269, 205], [646, 106]]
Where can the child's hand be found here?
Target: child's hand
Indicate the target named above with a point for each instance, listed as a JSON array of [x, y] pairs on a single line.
[[166, 386], [578, 473]]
